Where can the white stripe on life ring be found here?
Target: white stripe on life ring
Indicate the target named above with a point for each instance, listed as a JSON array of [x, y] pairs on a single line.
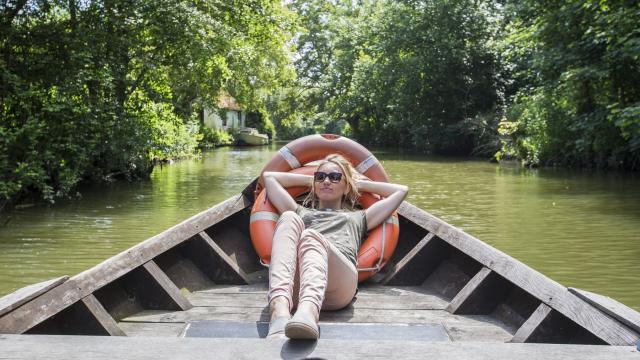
[[289, 157], [264, 215], [366, 164]]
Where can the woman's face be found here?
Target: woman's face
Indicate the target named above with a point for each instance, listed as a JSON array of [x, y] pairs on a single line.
[[326, 190]]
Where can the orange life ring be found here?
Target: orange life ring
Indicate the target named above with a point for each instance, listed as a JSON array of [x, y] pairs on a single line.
[[381, 242], [315, 147]]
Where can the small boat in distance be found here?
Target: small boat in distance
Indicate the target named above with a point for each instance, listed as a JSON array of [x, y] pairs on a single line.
[[251, 136]]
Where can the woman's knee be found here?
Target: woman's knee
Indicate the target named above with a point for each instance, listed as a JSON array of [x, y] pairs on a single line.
[[337, 301]]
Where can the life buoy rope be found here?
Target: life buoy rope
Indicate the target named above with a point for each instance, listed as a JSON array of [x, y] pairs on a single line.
[[381, 241]]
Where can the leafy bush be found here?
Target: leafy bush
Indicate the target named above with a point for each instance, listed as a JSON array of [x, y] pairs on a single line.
[[214, 137]]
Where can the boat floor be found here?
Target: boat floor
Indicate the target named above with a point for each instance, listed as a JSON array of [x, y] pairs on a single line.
[[380, 312]]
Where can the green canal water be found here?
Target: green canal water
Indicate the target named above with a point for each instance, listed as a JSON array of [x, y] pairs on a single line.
[[580, 228]]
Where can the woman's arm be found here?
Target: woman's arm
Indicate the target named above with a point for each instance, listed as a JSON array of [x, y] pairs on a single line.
[[275, 184], [393, 195]]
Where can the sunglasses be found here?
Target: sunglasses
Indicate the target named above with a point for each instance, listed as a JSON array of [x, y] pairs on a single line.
[[334, 177]]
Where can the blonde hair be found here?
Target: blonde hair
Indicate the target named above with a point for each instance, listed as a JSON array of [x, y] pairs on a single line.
[[349, 200]]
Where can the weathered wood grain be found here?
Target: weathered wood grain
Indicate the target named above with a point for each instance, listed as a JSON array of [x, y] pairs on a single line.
[[363, 289], [466, 292], [394, 316], [183, 270], [400, 265], [102, 316], [448, 278], [27, 293], [152, 329], [463, 332], [619, 311], [340, 331], [232, 236], [362, 301], [167, 285], [424, 262], [543, 288], [81, 285], [152, 348], [224, 259], [533, 322]]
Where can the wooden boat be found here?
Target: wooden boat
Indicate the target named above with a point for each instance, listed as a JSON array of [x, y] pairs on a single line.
[[202, 278], [251, 136]]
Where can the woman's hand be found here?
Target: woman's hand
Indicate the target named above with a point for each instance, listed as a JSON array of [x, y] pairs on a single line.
[[359, 179]]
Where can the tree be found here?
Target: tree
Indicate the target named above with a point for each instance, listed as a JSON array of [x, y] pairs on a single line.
[[577, 82], [409, 73], [99, 89]]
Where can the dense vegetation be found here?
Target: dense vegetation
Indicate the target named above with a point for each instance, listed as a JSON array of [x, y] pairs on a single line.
[[99, 89], [575, 68], [546, 82]]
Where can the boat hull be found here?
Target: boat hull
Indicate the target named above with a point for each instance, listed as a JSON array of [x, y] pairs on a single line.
[[252, 139], [205, 269]]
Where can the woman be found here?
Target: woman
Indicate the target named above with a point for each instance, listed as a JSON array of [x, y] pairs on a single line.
[[314, 251]]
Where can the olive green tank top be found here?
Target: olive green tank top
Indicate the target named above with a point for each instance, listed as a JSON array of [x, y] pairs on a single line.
[[343, 228]]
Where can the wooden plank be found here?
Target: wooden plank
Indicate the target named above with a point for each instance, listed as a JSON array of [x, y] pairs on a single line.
[[239, 313], [108, 348], [400, 265], [471, 287], [533, 322], [167, 285], [362, 301], [27, 293], [226, 260], [234, 239], [85, 283], [619, 311], [152, 329], [259, 288], [476, 333], [340, 331], [363, 289], [102, 316], [538, 285], [183, 270], [448, 277]]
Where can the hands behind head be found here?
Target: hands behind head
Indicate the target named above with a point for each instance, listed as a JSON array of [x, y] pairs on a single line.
[[360, 177]]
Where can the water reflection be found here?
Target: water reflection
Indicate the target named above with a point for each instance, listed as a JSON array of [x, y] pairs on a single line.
[[578, 227]]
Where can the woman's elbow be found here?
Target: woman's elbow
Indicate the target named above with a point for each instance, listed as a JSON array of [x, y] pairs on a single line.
[[267, 175]]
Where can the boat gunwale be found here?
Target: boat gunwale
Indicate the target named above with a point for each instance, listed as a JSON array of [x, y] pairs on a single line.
[[545, 289], [85, 283]]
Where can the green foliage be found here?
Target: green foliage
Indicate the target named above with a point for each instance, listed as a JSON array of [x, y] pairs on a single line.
[[407, 73], [101, 89], [576, 82], [215, 137], [260, 120], [448, 76]]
